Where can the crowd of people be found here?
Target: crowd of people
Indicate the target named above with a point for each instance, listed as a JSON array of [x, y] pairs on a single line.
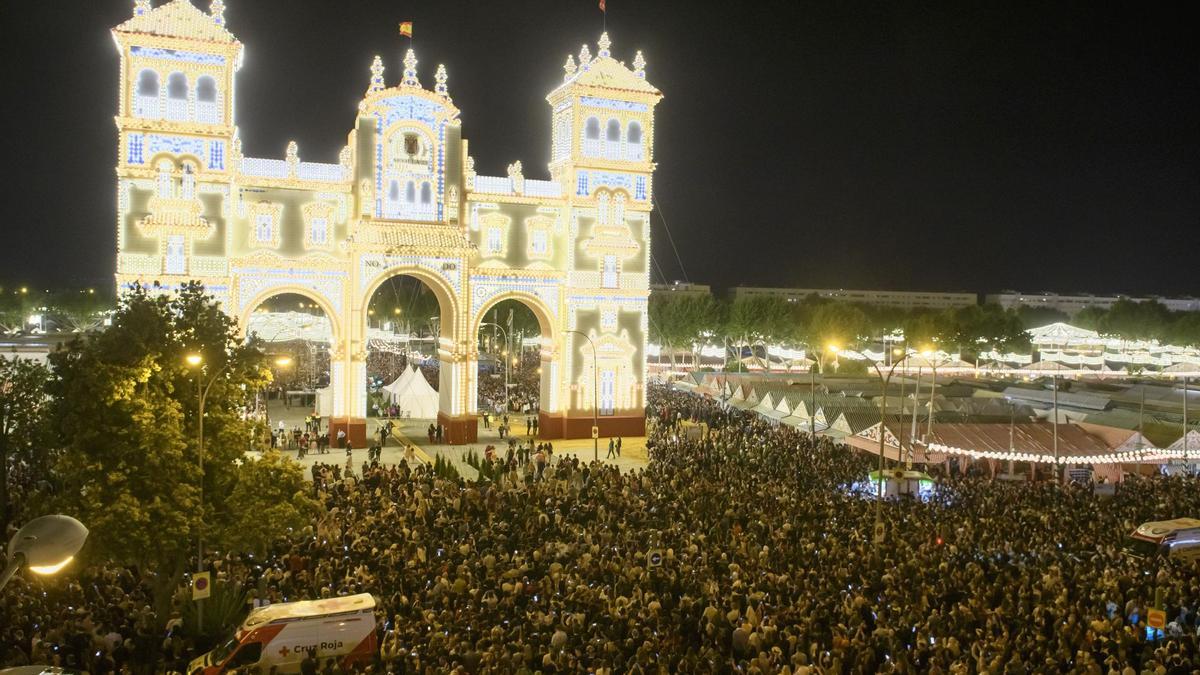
[[741, 549]]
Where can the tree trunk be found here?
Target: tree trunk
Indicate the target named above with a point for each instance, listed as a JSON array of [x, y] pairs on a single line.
[[3, 484], [164, 588]]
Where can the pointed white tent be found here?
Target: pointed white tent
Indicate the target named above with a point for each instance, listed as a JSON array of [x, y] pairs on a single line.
[[416, 398], [392, 391]]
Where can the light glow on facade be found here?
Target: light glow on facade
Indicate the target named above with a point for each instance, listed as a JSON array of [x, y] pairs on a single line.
[[402, 198]]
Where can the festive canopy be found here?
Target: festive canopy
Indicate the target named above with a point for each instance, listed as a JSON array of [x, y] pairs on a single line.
[[413, 395]]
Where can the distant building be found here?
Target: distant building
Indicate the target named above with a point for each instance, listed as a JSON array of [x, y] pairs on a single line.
[[680, 288], [1073, 304], [899, 299]]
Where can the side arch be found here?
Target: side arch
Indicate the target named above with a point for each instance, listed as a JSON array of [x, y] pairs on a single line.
[[335, 321], [546, 323]]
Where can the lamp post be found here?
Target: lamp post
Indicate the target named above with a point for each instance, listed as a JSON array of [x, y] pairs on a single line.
[[882, 418], [504, 354], [595, 397], [196, 361], [812, 376], [44, 545], [282, 362], [933, 365]]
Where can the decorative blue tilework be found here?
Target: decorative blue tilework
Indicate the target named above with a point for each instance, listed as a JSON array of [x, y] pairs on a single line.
[[612, 104], [136, 147], [216, 155], [176, 55], [156, 143]]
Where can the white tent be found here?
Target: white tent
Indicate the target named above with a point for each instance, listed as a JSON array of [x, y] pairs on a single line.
[[325, 401], [392, 391], [415, 398]]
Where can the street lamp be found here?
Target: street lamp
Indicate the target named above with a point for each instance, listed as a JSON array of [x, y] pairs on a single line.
[[879, 535], [933, 365], [195, 360], [812, 376], [45, 545], [595, 397], [503, 353], [282, 362]]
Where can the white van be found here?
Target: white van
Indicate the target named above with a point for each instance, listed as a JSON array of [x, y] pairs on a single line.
[[280, 636], [1178, 538]]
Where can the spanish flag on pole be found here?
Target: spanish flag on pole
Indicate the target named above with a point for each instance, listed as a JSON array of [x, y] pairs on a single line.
[[406, 29]]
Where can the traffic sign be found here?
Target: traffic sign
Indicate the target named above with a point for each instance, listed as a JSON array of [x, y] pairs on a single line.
[[654, 558], [595, 432], [201, 586], [1156, 618]]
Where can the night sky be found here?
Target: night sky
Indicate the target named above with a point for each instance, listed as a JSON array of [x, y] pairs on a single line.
[[963, 146]]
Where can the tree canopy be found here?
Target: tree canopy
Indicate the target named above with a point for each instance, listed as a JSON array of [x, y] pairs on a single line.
[[125, 407]]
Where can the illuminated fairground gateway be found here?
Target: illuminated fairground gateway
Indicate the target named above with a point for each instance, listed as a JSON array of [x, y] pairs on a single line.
[[402, 199]]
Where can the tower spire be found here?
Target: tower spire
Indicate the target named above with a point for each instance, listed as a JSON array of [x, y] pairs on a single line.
[[585, 57], [217, 10], [639, 65], [140, 7], [603, 44], [410, 69], [569, 67], [376, 75], [439, 87]]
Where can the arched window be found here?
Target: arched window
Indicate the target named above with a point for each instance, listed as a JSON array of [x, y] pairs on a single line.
[[613, 132], [619, 210], [426, 193], [145, 102], [634, 139], [164, 178], [591, 137], [410, 192], [394, 192], [177, 95], [635, 133], [206, 100], [187, 188], [206, 89], [612, 139]]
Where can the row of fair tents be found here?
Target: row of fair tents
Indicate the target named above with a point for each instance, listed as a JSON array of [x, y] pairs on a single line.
[[843, 416]]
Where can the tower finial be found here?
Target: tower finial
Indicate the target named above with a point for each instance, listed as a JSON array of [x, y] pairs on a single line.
[[293, 158], [217, 10], [376, 75], [569, 67], [585, 57], [140, 7], [603, 44], [439, 78], [639, 65], [410, 69]]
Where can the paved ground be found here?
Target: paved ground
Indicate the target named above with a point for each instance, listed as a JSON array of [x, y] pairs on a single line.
[[633, 450]]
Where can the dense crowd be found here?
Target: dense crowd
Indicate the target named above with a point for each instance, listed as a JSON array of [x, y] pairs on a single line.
[[741, 549], [524, 381]]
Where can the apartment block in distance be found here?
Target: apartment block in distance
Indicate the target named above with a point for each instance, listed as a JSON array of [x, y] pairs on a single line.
[[899, 299], [1073, 304]]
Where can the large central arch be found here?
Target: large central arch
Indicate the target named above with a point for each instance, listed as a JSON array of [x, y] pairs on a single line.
[[549, 411]]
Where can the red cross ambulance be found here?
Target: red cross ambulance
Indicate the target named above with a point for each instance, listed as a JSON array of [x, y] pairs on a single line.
[[280, 636]]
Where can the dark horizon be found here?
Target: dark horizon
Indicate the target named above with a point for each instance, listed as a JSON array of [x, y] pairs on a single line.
[[994, 147]]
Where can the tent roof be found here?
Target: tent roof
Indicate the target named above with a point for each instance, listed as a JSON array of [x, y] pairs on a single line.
[[1058, 333]]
